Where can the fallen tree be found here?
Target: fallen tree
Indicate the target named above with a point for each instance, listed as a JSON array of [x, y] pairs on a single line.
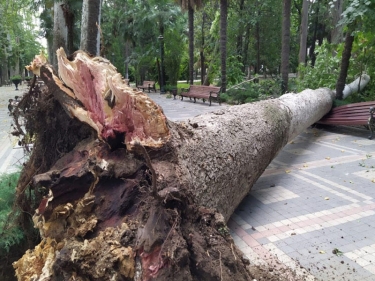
[[129, 195], [356, 86]]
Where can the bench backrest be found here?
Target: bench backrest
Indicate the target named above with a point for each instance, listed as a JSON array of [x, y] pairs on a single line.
[[151, 83], [204, 89]]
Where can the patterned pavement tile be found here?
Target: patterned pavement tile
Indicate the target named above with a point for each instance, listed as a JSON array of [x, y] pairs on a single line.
[[325, 200]]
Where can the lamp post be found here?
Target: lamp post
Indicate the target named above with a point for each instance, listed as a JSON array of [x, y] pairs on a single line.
[[161, 39], [113, 59]]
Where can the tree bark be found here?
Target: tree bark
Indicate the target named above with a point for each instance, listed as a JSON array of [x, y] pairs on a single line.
[[223, 43], [90, 35], [345, 61], [303, 33], [191, 44], [336, 33], [201, 52], [285, 45], [153, 195], [60, 30]]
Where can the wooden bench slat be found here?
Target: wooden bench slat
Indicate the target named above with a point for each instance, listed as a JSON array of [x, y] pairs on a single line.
[[350, 114]]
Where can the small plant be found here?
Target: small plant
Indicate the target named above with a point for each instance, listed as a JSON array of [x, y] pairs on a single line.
[[337, 252], [169, 95], [16, 78], [224, 231]]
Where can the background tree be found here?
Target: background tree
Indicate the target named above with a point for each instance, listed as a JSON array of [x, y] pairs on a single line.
[[60, 29], [90, 23], [356, 10], [285, 44], [303, 32], [223, 43], [337, 29], [191, 6]]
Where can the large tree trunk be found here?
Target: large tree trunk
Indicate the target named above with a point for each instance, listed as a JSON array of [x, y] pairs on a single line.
[[142, 198]]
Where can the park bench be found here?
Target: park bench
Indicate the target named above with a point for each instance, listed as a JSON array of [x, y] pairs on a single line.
[[209, 93], [354, 114], [148, 85]]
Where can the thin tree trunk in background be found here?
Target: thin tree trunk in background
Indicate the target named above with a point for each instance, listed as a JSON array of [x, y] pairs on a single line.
[[90, 35], [303, 33], [285, 46], [208, 78], [345, 60], [336, 33], [313, 41], [201, 52], [69, 19], [223, 43], [60, 30], [257, 38], [240, 37], [191, 44], [245, 60]]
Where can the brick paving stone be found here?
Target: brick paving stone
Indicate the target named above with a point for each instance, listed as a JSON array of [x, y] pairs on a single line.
[[345, 221]]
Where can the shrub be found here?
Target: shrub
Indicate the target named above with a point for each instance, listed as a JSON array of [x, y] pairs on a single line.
[[16, 78], [325, 71], [251, 92], [10, 233]]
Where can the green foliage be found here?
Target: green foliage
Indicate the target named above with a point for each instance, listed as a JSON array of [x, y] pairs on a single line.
[[234, 70], [356, 10], [16, 78], [10, 233], [325, 71], [251, 92]]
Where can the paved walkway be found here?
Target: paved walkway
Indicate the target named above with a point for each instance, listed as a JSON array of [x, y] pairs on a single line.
[[313, 209], [11, 155]]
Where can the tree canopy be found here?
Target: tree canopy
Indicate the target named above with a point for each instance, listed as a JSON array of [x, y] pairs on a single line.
[[131, 33]]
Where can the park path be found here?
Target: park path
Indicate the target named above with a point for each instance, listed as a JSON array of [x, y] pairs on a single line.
[[11, 155], [312, 210]]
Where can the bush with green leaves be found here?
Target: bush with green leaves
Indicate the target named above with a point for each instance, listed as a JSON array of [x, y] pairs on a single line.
[[251, 92], [325, 71], [10, 233], [16, 78]]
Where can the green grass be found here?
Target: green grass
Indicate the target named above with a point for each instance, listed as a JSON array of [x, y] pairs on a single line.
[[181, 85]]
